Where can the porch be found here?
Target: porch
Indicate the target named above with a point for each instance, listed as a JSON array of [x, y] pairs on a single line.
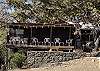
[[48, 37]]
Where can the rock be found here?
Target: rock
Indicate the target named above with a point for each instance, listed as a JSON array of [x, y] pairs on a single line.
[[38, 58]]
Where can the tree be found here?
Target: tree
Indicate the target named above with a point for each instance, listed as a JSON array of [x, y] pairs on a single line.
[[4, 19], [51, 11], [4, 15]]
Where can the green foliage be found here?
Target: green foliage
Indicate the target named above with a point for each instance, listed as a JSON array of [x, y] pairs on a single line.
[[2, 54], [50, 11], [2, 45], [16, 59], [2, 35]]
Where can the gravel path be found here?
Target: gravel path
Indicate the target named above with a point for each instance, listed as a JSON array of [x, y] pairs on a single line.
[[83, 64]]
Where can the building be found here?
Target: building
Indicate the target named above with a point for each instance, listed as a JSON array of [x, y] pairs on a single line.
[[41, 37]]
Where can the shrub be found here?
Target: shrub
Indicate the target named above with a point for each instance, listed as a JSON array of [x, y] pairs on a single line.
[[17, 59]]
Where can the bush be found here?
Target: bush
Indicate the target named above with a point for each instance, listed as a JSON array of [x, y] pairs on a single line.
[[17, 59], [2, 55]]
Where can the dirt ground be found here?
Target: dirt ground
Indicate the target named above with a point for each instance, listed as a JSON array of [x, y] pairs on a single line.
[[83, 64]]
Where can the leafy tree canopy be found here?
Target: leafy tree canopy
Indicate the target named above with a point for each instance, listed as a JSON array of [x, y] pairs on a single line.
[[51, 11]]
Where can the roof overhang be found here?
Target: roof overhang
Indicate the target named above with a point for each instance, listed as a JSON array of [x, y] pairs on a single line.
[[40, 25]]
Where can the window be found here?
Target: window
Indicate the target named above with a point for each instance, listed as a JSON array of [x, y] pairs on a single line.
[[19, 31]]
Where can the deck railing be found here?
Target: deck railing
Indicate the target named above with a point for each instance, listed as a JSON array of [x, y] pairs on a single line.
[[35, 41]]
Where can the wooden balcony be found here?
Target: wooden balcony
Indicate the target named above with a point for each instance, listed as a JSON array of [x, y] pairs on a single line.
[[42, 47], [17, 42]]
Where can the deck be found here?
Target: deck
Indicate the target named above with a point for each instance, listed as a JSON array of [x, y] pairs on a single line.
[[41, 47]]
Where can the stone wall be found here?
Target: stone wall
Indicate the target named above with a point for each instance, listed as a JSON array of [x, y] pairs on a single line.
[[38, 58]]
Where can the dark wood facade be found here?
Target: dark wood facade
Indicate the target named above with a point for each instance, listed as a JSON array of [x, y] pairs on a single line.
[[41, 37]]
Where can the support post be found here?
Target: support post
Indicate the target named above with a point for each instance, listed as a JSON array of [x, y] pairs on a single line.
[[31, 32], [51, 36], [69, 32]]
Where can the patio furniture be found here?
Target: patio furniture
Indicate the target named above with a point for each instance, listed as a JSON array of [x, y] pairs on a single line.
[[57, 41], [24, 41], [14, 40], [34, 41], [10, 40], [47, 41], [69, 42]]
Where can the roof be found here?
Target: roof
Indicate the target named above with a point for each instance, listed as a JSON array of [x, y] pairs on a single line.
[[40, 24]]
